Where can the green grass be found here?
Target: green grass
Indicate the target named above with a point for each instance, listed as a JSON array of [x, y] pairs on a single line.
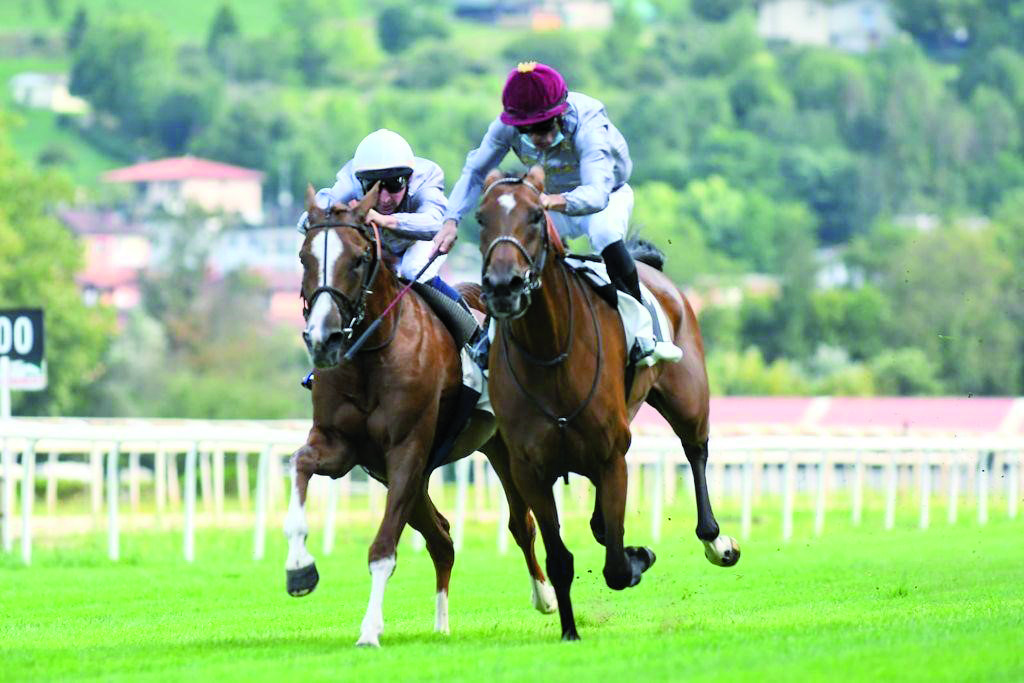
[[856, 604]]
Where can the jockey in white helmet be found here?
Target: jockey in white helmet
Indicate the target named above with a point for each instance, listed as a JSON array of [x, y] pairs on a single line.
[[411, 199]]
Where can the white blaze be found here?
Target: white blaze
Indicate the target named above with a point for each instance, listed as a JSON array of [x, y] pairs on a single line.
[[326, 243], [507, 202]]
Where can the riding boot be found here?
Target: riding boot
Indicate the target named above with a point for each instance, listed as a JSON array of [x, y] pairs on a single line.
[[622, 272], [622, 269], [308, 381]]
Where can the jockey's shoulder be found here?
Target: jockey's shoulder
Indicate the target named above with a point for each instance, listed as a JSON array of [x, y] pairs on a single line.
[[425, 173]]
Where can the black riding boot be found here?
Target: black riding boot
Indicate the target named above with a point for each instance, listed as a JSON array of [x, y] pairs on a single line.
[[622, 273], [622, 269]]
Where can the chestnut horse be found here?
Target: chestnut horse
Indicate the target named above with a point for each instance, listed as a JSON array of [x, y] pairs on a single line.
[[558, 384], [381, 410]]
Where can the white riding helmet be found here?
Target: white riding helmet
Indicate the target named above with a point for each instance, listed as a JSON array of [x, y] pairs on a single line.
[[382, 153]]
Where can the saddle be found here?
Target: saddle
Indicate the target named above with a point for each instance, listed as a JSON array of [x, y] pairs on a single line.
[[464, 328], [456, 316]]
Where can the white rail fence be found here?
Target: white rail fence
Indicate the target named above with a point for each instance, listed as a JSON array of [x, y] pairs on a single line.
[[108, 460]]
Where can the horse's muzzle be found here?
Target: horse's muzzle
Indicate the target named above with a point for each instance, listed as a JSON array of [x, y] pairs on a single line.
[[506, 296], [325, 354]]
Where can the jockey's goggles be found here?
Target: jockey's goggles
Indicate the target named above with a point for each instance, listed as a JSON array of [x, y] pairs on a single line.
[[392, 184], [539, 128]]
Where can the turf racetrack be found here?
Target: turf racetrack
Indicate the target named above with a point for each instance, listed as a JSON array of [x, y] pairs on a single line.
[[856, 604]]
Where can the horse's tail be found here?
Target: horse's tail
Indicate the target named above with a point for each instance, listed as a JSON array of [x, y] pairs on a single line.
[[645, 252]]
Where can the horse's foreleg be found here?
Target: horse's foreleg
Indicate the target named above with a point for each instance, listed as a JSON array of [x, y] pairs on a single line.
[[538, 496], [318, 455], [405, 479], [520, 523], [720, 550], [623, 567], [428, 521]]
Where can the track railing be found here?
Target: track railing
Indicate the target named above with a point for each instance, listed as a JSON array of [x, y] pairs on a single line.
[[197, 473]]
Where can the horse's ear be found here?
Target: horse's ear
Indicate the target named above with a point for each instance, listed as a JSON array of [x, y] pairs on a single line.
[[494, 176], [310, 197], [367, 202], [536, 176]]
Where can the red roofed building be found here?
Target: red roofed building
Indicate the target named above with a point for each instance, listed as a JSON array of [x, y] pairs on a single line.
[[173, 184]]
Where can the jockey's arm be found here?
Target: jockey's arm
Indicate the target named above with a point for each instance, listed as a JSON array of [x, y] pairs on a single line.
[[597, 174], [429, 205], [493, 148]]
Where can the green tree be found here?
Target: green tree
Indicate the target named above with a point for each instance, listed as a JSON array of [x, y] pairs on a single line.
[[224, 26], [949, 296], [906, 372], [38, 262], [400, 25], [76, 29], [559, 49], [120, 67]]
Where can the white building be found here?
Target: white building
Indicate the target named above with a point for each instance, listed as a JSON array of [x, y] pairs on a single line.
[[852, 26], [46, 91], [173, 184]]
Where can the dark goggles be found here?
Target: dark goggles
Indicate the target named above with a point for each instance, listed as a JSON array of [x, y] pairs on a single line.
[[392, 184], [539, 128]]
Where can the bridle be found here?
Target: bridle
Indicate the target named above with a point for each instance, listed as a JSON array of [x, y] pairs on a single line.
[[534, 267], [357, 309]]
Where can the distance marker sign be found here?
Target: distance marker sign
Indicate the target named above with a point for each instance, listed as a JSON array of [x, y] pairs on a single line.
[[21, 340]]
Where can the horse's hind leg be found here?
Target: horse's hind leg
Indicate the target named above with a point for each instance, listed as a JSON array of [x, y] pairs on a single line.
[[623, 567], [428, 521], [720, 550], [520, 523], [318, 456], [682, 399]]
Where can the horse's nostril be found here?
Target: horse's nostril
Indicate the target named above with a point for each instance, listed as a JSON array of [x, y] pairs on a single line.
[[516, 283]]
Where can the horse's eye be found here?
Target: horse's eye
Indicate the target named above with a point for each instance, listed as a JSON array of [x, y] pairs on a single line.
[[537, 215], [480, 217]]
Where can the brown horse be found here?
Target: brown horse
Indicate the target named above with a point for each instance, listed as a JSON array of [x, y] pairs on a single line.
[[558, 384], [381, 410]]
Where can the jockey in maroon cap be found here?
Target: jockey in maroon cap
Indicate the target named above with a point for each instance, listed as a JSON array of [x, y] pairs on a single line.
[[586, 164]]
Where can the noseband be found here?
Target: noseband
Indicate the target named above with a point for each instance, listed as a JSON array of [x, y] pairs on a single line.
[[534, 267], [358, 309]]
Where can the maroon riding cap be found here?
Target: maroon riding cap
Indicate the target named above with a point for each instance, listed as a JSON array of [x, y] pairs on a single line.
[[533, 93]]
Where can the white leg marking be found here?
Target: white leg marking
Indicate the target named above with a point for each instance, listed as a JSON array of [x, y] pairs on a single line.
[[544, 600], [295, 530], [441, 613], [329, 241], [507, 202], [373, 622], [724, 551]]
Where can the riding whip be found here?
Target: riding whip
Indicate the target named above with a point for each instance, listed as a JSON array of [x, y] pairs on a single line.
[[354, 349]]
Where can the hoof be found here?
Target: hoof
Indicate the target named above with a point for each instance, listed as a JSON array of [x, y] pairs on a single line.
[[724, 551], [367, 641], [640, 560], [302, 581], [570, 635]]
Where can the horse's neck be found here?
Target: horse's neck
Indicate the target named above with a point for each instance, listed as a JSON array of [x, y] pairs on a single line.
[[544, 328]]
